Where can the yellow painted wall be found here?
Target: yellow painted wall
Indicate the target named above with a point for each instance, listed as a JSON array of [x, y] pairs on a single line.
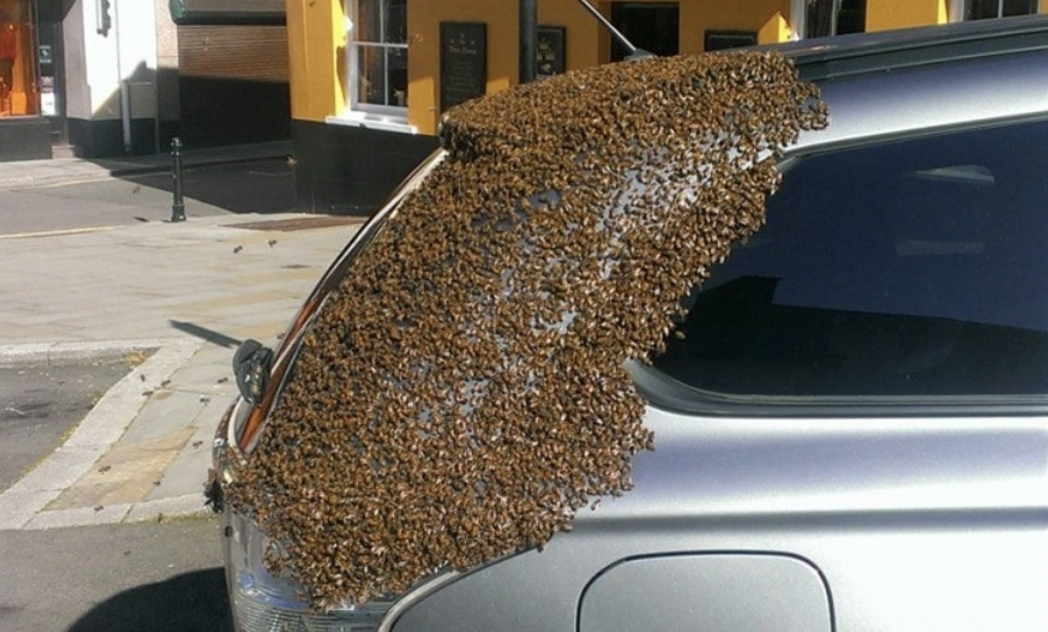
[[776, 29], [883, 15], [501, 18], [587, 42], [317, 43], [316, 58]]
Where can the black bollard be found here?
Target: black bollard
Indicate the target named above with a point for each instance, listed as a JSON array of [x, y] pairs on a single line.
[[178, 208]]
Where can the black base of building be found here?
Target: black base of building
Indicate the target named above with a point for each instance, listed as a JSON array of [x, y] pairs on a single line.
[[343, 170], [25, 138], [216, 112], [105, 138]]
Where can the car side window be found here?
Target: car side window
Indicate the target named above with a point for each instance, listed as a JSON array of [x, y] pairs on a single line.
[[916, 267]]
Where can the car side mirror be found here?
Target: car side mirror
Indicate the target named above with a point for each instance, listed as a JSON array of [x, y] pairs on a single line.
[[251, 364]]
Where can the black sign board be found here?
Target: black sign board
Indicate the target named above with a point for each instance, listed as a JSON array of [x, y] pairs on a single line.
[[723, 40], [463, 62], [550, 50]]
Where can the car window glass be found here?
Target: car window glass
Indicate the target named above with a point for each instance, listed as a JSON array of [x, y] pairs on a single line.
[[912, 268]]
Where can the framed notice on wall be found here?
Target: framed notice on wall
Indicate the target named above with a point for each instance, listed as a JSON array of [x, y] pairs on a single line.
[[549, 51], [723, 40], [463, 62]]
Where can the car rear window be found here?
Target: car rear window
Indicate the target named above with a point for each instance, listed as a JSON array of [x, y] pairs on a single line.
[[916, 267]]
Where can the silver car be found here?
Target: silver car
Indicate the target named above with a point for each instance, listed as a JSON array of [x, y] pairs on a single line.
[[852, 433]]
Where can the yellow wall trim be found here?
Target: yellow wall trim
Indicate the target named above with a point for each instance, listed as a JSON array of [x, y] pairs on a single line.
[[883, 15]]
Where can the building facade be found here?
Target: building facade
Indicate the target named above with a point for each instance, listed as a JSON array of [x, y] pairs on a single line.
[[100, 78], [370, 78]]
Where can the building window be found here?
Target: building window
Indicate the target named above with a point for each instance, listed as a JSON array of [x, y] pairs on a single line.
[[834, 17], [378, 56], [18, 86], [987, 9]]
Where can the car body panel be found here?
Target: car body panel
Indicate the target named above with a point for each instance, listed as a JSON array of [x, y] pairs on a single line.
[[927, 99], [914, 524], [851, 514]]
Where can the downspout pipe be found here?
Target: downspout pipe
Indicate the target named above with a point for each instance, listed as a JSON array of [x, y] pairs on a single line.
[[125, 89], [529, 35]]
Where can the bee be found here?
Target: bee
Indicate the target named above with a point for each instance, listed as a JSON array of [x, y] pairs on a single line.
[[543, 253]]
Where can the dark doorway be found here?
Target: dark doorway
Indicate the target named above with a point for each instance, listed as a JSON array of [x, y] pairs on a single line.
[[51, 66], [654, 27], [835, 17]]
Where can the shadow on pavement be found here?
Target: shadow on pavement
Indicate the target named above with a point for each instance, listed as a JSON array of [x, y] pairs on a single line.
[[209, 335], [192, 602], [259, 186]]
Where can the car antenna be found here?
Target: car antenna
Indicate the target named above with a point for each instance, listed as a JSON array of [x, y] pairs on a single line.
[[634, 52]]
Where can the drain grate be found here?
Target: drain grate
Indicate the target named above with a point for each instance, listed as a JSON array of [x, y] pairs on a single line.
[[299, 223]]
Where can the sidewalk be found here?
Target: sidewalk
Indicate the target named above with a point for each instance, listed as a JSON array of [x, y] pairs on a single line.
[[180, 296]]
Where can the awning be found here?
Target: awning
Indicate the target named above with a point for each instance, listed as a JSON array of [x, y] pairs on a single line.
[[227, 11]]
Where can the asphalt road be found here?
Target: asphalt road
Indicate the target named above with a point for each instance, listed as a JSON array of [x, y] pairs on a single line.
[[40, 405], [156, 577], [261, 186]]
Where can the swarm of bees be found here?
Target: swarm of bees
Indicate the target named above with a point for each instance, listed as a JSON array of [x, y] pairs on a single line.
[[463, 393]]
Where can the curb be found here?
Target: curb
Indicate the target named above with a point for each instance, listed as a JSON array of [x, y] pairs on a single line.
[[24, 504], [62, 353]]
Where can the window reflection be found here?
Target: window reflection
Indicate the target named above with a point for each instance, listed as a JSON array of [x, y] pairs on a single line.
[[18, 86], [988, 9], [911, 268]]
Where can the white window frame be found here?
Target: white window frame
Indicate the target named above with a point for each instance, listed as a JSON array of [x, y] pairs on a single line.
[[798, 18], [382, 117]]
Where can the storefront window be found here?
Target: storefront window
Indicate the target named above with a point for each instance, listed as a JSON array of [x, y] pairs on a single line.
[[378, 64], [18, 87], [986, 9], [834, 17]]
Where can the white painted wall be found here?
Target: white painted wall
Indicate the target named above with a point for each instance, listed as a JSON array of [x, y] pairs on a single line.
[[127, 52], [77, 91]]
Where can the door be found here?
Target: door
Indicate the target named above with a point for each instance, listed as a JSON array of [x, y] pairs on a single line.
[[654, 27]]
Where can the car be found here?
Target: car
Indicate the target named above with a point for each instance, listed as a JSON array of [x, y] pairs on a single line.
[[851, 420]]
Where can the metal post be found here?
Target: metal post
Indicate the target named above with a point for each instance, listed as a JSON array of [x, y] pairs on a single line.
[[178, 208], [529, 34]]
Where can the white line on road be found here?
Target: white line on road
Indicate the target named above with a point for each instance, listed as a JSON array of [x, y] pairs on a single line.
[[53, 233]]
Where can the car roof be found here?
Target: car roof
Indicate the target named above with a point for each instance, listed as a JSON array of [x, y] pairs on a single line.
[[919, 80]]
